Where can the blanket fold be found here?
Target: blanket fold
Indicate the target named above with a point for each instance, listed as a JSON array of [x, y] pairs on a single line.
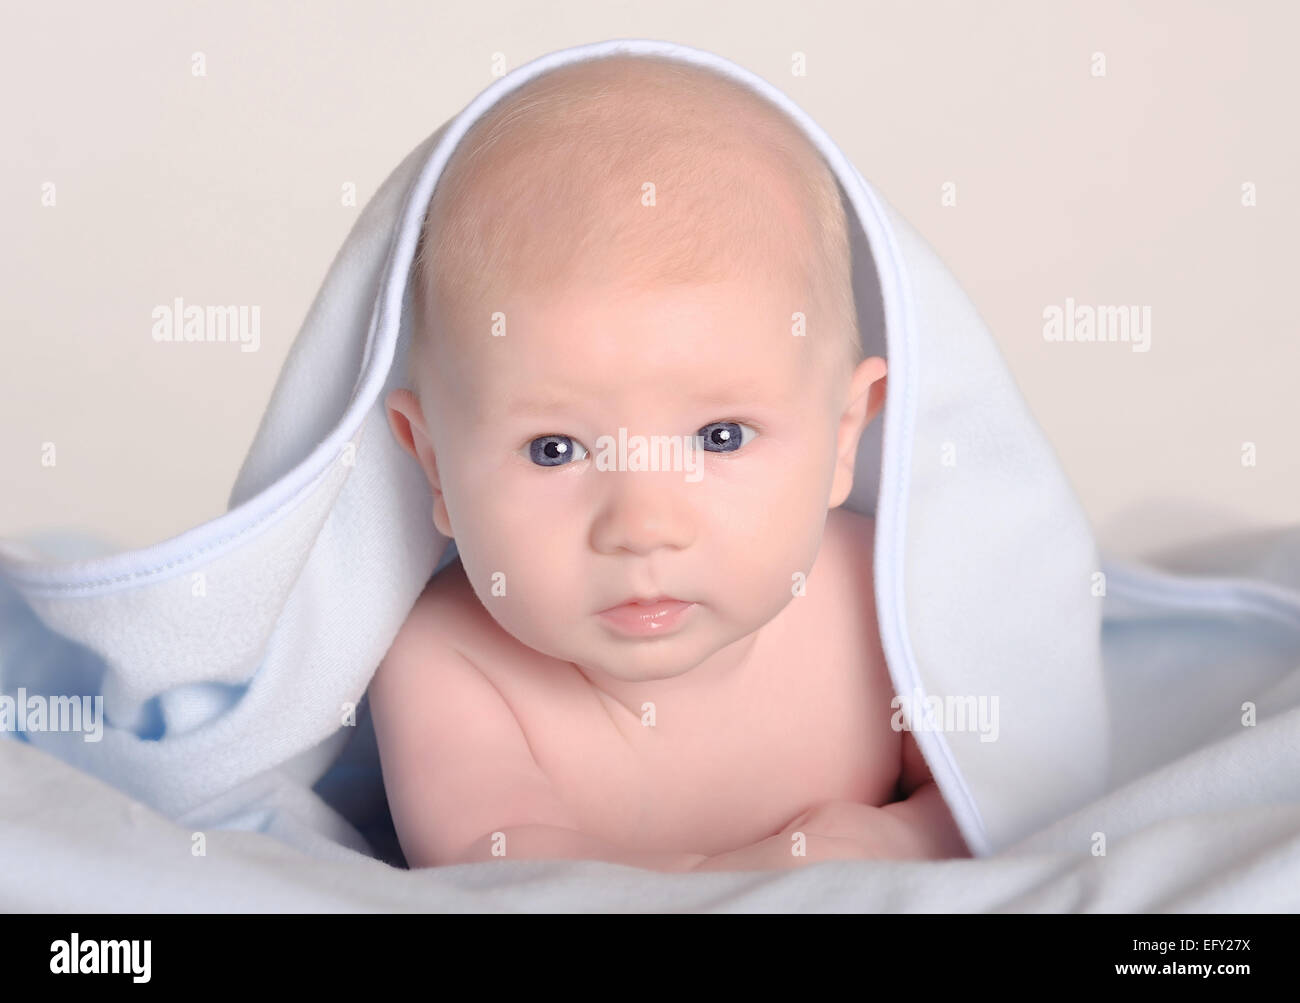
[[233, 659]]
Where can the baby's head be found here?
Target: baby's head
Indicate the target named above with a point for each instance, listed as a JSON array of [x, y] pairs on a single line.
[[620, 250]]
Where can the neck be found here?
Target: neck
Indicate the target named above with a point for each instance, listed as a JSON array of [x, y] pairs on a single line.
[[724, 667]]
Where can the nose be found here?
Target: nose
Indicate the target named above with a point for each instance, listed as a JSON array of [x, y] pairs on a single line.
[[642, 511]]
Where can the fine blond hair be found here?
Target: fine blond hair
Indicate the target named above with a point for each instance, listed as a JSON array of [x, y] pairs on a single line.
[[641, 170]]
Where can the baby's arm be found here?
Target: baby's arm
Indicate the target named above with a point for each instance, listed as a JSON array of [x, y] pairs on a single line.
[[923, 809], [550, 842], [919, 827], [457, 766]]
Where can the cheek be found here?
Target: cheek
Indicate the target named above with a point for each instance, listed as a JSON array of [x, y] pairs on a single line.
[[762, 529], [764, 571], [521, 547]]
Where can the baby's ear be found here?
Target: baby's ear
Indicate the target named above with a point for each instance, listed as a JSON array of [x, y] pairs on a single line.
[[866, 398], [406, 419], [876, 395]]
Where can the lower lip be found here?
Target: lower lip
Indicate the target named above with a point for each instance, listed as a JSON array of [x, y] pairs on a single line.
[[650, 619]]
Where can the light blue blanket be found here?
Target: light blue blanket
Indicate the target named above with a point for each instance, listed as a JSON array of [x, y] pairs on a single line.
[[1135, 709]]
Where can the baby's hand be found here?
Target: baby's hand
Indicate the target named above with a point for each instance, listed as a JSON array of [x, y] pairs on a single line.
[[832, 830], [873, 833]]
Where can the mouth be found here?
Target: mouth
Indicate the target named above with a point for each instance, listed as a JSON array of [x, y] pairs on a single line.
[[645, 617]]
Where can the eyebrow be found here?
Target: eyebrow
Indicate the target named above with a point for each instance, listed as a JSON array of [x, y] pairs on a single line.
[[545, 403], [538, 405], [736, 393]]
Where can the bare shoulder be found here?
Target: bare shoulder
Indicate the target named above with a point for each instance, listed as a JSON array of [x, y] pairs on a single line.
[[443, 621], [842, 583], [456, 762], [851, 538], [448, 597], [447, 606], [844, 520]]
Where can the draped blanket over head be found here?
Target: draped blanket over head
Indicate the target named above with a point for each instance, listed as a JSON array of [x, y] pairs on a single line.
[[230, 657]]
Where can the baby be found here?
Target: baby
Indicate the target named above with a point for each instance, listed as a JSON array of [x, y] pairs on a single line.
[[664, 657]]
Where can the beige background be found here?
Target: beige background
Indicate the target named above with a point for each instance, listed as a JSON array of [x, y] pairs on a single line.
[[1120, 189]]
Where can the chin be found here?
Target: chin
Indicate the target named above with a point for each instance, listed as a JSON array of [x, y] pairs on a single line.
[[643, 661]]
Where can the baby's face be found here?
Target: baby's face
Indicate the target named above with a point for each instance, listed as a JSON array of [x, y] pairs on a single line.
[[550, 540]]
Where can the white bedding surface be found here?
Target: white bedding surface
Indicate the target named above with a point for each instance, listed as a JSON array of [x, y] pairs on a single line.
[[224, 700], [73, 844]]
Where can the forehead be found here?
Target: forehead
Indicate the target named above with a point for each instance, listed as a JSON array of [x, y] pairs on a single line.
[[596, 343]]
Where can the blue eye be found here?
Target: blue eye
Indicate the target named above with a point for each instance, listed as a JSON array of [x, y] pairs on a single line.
[[555, 450], [724, 436]]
